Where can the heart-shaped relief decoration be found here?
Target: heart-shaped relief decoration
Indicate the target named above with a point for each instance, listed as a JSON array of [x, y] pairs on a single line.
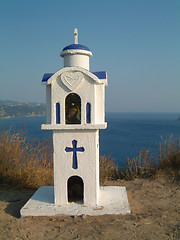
[[71, 79]]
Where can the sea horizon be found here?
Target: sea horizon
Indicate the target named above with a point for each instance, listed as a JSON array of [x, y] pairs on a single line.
[[126, 135]]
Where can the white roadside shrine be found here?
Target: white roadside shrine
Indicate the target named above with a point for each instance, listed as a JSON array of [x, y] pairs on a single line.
[[75, 108]]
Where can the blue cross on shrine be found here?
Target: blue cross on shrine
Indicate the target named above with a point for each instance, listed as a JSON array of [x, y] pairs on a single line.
[[74, 150]]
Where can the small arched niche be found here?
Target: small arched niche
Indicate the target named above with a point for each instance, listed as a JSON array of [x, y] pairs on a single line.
[[75, 189], [73, 109]]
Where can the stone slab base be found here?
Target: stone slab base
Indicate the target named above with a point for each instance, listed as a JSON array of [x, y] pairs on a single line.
[[113, 200]]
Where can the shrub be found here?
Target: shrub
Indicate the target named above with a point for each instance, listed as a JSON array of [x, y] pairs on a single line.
[[169, 157], [108, 169], [139, 167], [23, 163], [146, 165]]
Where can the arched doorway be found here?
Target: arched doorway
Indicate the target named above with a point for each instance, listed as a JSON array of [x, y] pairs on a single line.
[[73, 109], [75, 189]]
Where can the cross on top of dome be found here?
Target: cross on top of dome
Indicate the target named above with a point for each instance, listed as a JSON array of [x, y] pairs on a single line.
[[76, 47], [75, 36]]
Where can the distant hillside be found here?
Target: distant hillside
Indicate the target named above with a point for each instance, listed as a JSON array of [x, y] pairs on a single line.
[[7, 102], [10, 109]]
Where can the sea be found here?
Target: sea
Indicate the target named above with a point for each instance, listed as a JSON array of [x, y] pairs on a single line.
[[126, 135]]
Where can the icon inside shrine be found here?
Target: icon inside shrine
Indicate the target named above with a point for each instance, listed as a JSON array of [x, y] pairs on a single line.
[[73, 109]]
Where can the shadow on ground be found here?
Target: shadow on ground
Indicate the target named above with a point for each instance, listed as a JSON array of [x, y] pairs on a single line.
[[15, 199]]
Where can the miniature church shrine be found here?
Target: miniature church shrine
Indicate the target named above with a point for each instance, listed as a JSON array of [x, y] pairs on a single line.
[[75, 111]]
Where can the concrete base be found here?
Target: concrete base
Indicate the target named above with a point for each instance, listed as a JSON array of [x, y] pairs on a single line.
[[113, 200]]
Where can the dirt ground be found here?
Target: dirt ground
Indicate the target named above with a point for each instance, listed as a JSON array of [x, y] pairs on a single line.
[[155, 214]]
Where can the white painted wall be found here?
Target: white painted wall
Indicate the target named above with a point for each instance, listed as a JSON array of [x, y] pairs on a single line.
[[87, 91], [91, 90], [77, 60], [48, 104], [99, 103], [88, 164]]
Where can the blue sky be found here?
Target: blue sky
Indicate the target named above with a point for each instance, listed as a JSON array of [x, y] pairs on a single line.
[[136, 41]]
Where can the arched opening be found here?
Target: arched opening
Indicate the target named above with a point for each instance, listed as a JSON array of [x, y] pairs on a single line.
[[73, 109], [75, 189]]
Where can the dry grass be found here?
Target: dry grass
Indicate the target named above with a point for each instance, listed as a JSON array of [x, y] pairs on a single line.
[[169, 157], [108, 169], [139, 167], [31, 165], [167, 162], [24, 164]]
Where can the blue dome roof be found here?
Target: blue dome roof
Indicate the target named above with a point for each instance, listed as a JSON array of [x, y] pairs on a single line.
[[76, 46]]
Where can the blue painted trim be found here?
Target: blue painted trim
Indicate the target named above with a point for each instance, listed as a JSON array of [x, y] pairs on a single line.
[[46, 77], [74, 150], [100, 75], [58, 113], [76, 46], [88, 113]]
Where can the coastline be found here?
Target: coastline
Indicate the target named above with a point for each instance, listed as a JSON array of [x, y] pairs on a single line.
[[26, 116]]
